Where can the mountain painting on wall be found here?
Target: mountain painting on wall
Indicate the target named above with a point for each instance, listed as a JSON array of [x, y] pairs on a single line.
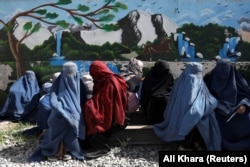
[[175, 30]]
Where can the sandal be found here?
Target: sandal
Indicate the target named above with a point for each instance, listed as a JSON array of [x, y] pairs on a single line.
[[52, 159], [66, 157]]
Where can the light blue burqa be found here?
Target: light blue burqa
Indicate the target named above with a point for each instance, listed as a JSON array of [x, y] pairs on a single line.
[[22, 99], [65, 123], [190, 105]]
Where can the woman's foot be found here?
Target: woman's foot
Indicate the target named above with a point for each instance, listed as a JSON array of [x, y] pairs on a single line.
[[52, 158], [181, 148], [67, 157]]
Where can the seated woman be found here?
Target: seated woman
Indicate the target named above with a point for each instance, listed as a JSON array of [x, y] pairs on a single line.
[[133, 76], [65, 123], [155, 91], [22, 99], [189, 115], [233, 112], [104, 112], [43, 112]]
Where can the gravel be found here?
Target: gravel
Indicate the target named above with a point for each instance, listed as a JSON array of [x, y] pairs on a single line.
[[14, 152]]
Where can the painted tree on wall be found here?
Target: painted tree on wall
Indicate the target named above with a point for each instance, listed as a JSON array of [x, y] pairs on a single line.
[[99, 17]]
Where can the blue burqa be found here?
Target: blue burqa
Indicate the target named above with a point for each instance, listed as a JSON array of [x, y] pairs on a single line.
[[65, 123], [22, 99], [43, 108], [232, 90], [190, 105]]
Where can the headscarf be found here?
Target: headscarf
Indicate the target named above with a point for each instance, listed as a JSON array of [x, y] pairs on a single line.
[[88, 83], [22, 98], [190, 105], [46, 87], [55, 76], [133, 76], [108, 103], [134, 67]]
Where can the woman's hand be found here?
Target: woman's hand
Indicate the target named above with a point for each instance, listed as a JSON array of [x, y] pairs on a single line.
[[241, 109]]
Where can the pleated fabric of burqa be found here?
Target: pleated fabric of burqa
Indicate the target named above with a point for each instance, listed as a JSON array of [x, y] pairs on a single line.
[[190, 106], [22, 99], [65, 123], [232, 91]]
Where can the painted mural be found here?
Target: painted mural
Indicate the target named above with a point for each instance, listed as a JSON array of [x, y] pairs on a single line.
[[41, 35]]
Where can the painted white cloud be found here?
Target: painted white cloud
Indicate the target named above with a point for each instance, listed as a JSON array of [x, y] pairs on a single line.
[[244, 23], [206, 12], [245, 26], [227, 16], [186, 17]]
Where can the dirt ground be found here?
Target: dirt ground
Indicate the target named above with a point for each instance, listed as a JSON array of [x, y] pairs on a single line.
[[5, 125]]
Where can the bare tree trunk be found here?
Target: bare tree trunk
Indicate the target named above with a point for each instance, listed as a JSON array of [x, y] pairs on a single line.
[[13, 43]]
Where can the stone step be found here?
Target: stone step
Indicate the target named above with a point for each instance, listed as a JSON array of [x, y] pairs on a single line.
[[137, 132], [135, 135]]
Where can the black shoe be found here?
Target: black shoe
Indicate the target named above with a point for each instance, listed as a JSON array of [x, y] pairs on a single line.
[[32, 131], [99, 141]]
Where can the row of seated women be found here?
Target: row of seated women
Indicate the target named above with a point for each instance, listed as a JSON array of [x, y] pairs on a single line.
[[59, 115], [81, 116], [208, 112]]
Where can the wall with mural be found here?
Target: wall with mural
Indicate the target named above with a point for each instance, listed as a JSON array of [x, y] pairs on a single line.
[[42, 34]]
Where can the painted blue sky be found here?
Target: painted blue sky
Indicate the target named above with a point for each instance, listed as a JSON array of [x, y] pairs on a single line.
[[199, 12]]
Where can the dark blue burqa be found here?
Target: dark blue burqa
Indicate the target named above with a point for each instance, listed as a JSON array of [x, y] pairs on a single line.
[[190, 105], [44, 108], [232, 91], [43, 113], [65, 123], [22, 99]]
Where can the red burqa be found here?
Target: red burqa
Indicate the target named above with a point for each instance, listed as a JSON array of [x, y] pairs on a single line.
[[108, 103]]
